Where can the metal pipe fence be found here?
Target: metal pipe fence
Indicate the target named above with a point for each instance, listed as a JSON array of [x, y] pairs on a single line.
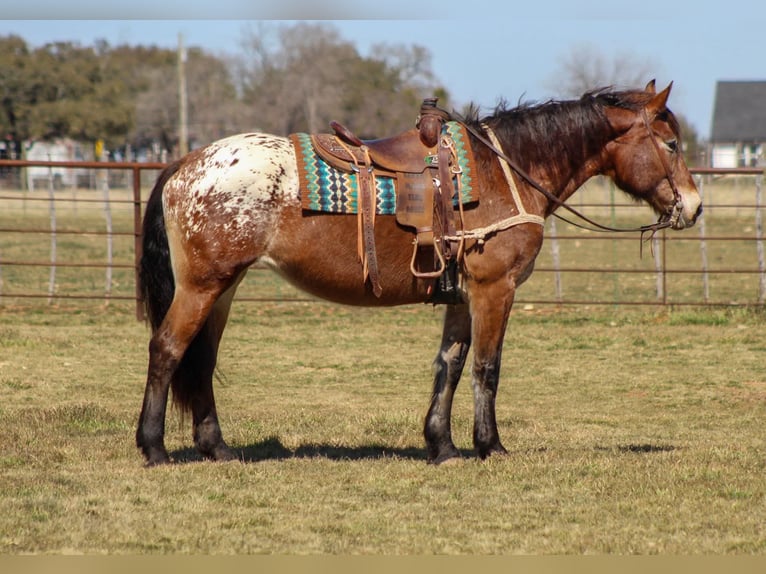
[[70, 234]]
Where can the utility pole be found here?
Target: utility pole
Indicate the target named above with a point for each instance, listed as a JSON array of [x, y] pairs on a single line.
[[183, 115]]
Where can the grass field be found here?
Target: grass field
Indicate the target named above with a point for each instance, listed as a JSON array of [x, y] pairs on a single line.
[[630, 430]]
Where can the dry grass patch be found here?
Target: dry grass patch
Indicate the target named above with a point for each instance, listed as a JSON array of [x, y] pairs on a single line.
[[628, 432]]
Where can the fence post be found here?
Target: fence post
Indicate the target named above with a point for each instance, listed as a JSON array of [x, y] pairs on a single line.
[[104, 175], [759, 239], [555, 255], [137, 240], [52, 211], [703, 245], [659, 263]]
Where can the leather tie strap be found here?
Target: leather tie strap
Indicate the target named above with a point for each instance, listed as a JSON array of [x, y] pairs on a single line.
[[368, 199], [446, 190], [366, 216]]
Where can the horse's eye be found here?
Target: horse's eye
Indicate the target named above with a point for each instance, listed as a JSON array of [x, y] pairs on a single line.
[[672, 145]]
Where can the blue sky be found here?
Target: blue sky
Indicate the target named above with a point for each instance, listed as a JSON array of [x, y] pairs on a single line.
[[482, 50]]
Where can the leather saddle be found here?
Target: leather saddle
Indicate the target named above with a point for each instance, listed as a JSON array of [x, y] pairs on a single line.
[[420, 163], [404, 152]]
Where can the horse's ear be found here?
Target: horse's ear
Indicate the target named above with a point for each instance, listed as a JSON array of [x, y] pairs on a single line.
[[659, 101], [650, 87]]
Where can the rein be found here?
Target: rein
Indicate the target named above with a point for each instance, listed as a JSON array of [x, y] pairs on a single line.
[[594, 225]]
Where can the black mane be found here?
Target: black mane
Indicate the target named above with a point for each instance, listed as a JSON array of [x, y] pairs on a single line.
[[568, 131]]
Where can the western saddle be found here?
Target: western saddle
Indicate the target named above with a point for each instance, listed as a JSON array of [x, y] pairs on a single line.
[[423, 161]]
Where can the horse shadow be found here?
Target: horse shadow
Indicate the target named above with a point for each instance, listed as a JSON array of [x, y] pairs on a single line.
[[273, 449]]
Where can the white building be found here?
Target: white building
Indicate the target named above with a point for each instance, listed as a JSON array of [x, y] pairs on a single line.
[[738, 137], [57, 150]]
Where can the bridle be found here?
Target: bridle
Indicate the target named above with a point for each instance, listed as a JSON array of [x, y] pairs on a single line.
[[678, 204], [667, 220]]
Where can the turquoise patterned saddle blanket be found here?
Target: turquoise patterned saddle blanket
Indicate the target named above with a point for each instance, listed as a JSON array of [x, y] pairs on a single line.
[[327, 188]]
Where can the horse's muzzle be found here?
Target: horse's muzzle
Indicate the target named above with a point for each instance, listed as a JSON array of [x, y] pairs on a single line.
[[686, 211]]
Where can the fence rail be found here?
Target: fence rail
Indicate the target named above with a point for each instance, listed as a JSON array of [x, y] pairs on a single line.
[[720, 262]]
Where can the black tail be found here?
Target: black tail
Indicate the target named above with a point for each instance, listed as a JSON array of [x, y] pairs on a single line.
[[158, 287], [155, 274]]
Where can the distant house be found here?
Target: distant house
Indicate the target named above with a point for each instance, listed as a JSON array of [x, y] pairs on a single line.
[[63, 149], [738, 137]]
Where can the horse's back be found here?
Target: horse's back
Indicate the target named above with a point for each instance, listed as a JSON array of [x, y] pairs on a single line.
[[242, 172]]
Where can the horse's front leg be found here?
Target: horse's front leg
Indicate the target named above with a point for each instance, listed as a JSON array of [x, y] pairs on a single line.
[[490, 308], [448, 366]]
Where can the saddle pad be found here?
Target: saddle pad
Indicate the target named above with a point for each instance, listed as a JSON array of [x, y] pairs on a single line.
[[327, 189], [469, 185]]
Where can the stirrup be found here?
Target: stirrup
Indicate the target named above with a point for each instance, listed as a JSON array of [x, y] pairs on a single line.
[[427, 274]]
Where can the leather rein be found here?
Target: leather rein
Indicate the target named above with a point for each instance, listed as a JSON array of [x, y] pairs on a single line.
[[663, 222]]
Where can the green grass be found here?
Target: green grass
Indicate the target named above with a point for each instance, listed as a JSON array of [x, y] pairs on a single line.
[[628, 432]]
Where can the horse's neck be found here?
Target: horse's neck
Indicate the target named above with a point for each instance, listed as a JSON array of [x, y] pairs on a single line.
[[589, 169], [563, 182], [563, 148]]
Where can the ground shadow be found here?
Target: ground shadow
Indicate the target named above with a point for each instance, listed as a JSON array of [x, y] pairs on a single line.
[[646, 448], [643, 448], [273, 449]]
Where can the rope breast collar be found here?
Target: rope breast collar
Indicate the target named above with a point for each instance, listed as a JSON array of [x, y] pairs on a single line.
[[523, 216]]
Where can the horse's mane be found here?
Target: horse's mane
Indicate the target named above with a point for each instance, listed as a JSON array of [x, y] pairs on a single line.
[[536, 133]]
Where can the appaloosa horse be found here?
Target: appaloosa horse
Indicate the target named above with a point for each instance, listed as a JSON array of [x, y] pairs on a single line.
[[220, 209]]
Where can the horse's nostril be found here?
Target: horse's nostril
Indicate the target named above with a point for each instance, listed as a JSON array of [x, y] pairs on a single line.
[[698, 212]]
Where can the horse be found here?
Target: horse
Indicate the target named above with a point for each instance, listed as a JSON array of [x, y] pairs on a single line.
[[236, 202]]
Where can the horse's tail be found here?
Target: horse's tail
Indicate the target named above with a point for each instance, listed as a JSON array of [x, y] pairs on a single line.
[[157, 286], [156, 282]]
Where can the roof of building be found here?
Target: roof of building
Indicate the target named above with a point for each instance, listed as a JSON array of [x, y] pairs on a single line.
[[739, 112]]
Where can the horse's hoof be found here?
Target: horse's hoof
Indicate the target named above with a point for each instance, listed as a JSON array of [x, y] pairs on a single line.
[[494, 452], [154, 455]]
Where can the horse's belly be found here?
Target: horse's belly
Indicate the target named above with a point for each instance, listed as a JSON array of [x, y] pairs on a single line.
[[318, 254]]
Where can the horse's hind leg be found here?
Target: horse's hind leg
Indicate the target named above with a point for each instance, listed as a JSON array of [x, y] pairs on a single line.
[[198, 384], [185, 317], [448, 366]]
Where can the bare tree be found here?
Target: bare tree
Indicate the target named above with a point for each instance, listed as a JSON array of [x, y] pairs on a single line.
[[298, 78], [295, 82], [214, 109], [411, 64], [586, 68]]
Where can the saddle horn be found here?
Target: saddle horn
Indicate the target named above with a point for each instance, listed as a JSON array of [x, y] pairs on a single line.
[[430, 121]]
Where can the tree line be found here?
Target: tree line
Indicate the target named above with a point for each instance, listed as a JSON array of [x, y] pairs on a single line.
[[286, 79]]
